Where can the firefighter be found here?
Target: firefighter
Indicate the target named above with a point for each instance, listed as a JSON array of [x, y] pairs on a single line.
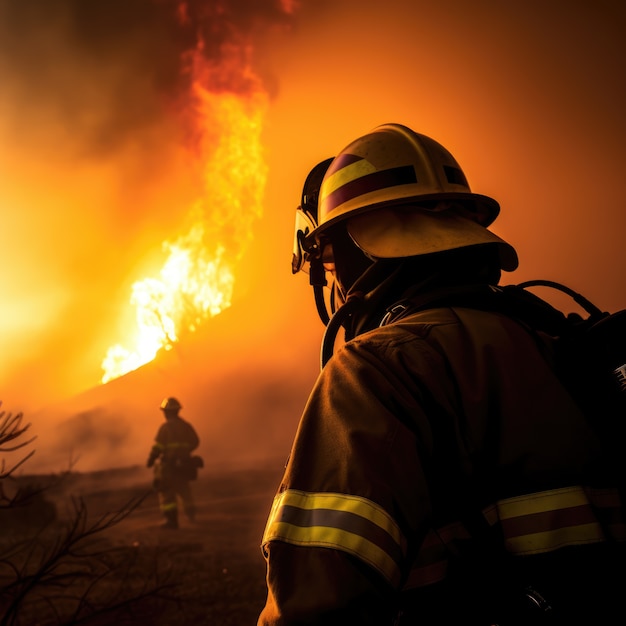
[[440, 473], [174, 466]]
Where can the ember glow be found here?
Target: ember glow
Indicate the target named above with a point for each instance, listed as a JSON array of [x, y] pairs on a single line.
[[130, 154], [197, 279]]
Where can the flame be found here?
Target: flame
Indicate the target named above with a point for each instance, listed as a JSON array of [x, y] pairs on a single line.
[[197, 280]]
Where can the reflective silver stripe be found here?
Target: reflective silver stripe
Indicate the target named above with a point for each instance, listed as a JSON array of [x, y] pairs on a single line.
[[333, 520], [545, 521]]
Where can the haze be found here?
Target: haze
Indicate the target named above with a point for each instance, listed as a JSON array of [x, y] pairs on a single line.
[[528, 96]]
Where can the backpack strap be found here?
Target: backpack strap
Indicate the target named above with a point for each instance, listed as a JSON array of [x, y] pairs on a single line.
[[512, 300]]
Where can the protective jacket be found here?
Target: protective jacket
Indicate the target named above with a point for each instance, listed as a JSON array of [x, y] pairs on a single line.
[[175, 440], [441, 474]]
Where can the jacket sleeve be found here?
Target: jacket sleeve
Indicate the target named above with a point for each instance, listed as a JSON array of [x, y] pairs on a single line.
[[353, 499], [322, 586], [158, 447]]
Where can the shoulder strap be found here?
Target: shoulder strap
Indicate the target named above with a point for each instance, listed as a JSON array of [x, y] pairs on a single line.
[[512, 300], [583, 302]]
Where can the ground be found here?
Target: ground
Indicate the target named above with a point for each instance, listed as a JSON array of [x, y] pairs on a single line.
[[208, 572]]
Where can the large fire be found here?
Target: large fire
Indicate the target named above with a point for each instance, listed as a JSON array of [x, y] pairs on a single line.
[[196, 281]]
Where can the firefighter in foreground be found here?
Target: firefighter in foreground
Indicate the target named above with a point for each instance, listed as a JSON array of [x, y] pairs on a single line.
[[440, 473], [174, 465]]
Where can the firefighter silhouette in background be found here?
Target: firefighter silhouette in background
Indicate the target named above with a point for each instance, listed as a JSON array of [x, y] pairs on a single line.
[[174, 465]]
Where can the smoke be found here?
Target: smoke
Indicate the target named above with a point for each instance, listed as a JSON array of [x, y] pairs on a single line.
[[243, 392], [105, 73], [97, 150]]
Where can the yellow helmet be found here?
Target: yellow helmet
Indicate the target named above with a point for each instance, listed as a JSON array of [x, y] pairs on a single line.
[[404, 194], [170, 404]]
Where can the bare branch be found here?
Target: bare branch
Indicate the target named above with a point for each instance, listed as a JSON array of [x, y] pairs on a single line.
[[11, 428]]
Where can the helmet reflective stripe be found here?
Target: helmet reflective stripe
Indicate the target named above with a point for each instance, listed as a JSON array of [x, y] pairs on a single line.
[[345, 169], [333, 520], [360, 178], [542, 522]]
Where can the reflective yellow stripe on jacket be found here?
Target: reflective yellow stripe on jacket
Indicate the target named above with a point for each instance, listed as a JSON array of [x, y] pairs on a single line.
[[531, 524], [546, 521], [339, 521], [159, 448]]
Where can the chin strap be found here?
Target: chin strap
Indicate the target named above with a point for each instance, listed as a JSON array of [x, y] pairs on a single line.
[[365, 298], [317, 278], [320, 303], [353, 301]]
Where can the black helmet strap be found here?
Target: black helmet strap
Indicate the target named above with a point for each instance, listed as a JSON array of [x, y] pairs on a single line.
[[317, 278], [353, 302]]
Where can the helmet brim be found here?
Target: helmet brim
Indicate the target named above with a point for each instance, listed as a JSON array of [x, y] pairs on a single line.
[[397, 232]]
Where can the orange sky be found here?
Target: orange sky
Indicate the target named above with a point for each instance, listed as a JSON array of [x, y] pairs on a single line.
[[529, 96]]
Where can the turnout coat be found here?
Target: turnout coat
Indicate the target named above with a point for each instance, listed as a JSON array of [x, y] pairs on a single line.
[[441, 472]]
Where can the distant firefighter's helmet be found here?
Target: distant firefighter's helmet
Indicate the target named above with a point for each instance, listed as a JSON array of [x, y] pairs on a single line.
[[171, 404]]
